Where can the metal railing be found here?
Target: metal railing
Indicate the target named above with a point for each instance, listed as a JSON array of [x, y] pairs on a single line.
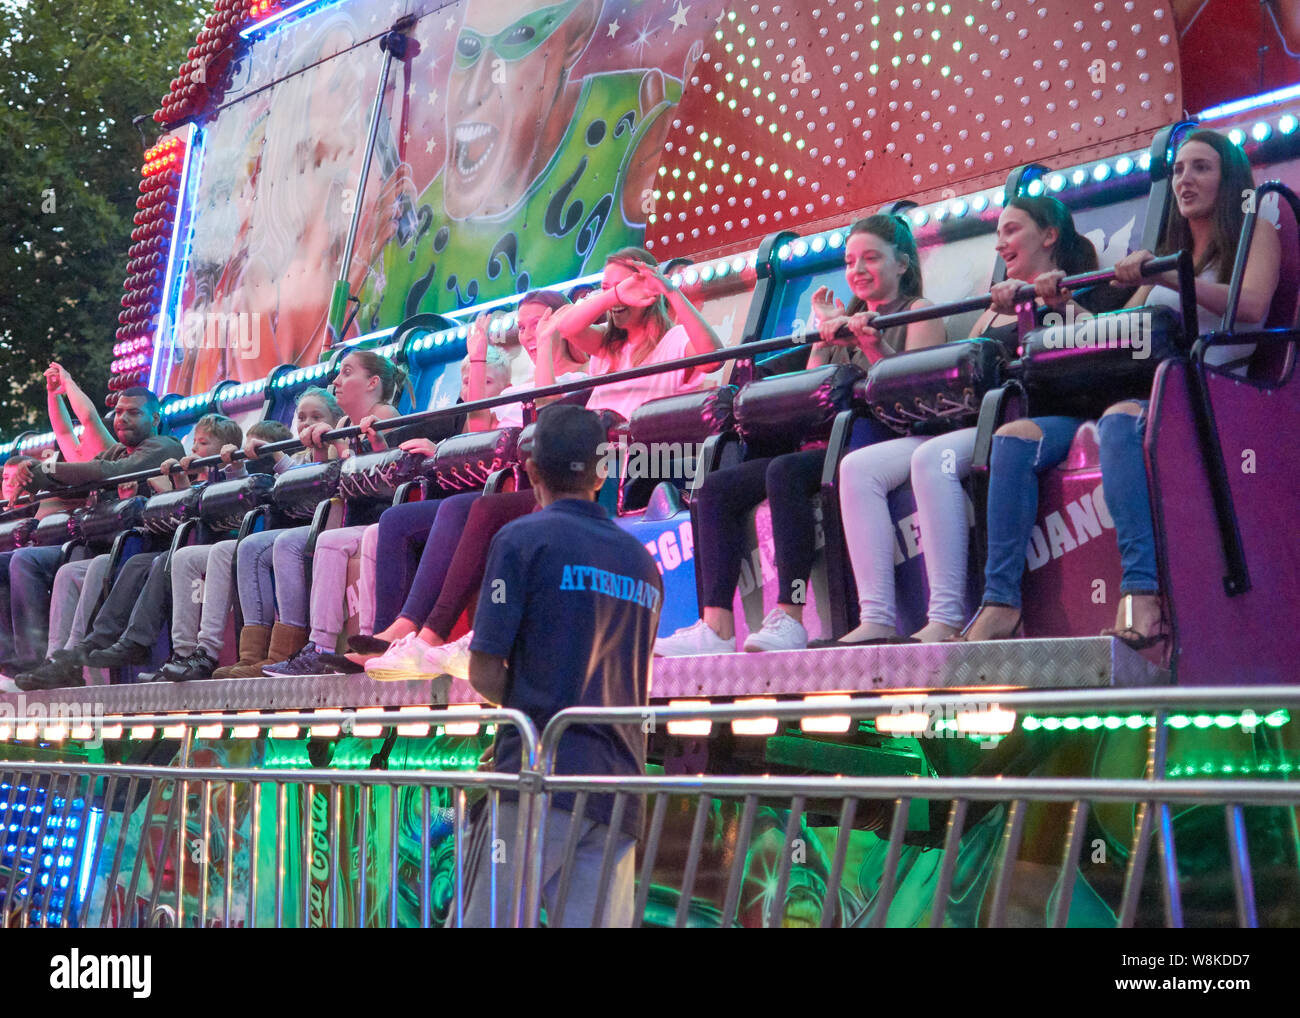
[[373, 847]]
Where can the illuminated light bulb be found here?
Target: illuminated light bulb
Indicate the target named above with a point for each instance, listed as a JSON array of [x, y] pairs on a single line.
[[1288, 124], [979, 203], [706, 273], [818, 244], [1078, 177], [1261, 131], [1056, 182], [999, 197], [1237, 136], [959, 208], [738, 264], [721, 269], [800, 248], [1101, 172], [940, 213], [1035, 188], [1123, 165], [783, 253], [920, 218]]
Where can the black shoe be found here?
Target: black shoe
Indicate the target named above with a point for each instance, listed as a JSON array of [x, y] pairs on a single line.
[[341, 664], [50, 675], [159, 676], [362, 644], [198, 666], [124, 652]]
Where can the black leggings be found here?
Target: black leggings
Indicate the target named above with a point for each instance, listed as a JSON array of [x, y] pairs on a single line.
[[789, 484]]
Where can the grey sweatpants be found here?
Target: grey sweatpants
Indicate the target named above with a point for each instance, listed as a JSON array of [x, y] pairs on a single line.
[[202, 596]]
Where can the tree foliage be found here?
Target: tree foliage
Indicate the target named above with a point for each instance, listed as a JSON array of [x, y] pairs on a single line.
[[73, 76]]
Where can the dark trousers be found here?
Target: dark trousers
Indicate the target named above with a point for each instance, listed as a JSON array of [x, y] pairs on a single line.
[[403, 532], [469, 562], [789, 484], [137, 605]]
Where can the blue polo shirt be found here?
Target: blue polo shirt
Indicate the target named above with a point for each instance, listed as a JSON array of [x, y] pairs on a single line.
[[571, 601]]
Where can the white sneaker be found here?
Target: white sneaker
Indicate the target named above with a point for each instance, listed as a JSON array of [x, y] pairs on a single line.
[[449, 658], [697, 639], [403, 660], [8, 685], [779, 632]]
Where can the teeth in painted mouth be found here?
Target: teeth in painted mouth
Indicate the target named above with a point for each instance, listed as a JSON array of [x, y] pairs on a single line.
[[466, 135]]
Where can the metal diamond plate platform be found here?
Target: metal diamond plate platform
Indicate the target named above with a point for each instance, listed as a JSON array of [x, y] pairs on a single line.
[[1092, 662], [287, 693]]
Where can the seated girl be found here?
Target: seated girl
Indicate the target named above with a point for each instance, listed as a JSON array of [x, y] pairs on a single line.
[[1210, 174], [628, 323], [883, 271], [1034, 236]]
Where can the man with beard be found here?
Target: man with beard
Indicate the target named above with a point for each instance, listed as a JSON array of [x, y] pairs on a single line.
[[32, 570], [542, 174]]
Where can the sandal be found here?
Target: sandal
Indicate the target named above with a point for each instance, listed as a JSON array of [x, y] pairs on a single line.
[[1017, 631], [1134, 638]]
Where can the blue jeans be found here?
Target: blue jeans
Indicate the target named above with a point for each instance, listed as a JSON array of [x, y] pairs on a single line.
[[253, 565], [31, 581], [1124, 480], [1014, 467]]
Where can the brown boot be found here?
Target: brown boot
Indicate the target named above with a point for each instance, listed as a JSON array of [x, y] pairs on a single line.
[[286, 641], [254, 642]]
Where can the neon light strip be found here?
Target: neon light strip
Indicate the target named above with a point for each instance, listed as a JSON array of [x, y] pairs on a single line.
[[381, 334], [184, 211], [1252, 103], [257, 27], [92, 820]]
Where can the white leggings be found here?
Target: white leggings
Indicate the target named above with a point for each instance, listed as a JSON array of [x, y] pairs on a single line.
[[937, 467]]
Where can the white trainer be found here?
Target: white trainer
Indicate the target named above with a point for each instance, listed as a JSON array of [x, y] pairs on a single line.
[[403, 660], [449, 658], [779, 632], [693, 640]]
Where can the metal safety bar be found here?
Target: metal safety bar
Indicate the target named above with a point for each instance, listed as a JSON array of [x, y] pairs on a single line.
[[1168, 263]]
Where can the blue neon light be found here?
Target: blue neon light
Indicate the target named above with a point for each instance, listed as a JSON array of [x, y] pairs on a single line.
[[187, 192], [309, 6], [1253, 102]]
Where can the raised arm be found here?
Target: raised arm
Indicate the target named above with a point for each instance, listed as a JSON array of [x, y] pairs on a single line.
[[94, 438], [476, 348], [1258, 284], [577, 324]]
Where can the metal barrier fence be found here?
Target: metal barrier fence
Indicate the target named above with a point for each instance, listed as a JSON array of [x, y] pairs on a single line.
[[315, 877], [202, 852]]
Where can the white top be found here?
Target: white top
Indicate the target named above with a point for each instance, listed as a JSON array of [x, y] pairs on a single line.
[[511, 415], [625, 397], [1209, 321]]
